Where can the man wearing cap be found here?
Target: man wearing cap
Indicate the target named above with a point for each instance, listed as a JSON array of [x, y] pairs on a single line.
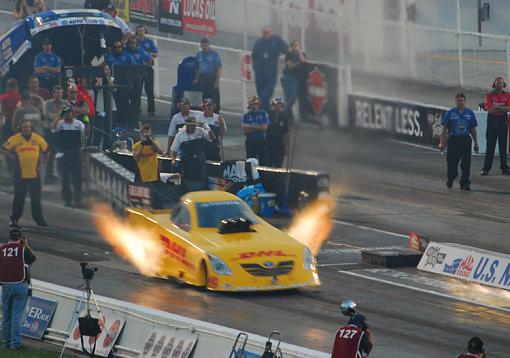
[[148, 45], [217, 124], [124, 27], [141, 57], [47, 66], [208, 72], [25, 149], [475, 349], [178, 121], [15, 256], [71, 139], [255, 124]]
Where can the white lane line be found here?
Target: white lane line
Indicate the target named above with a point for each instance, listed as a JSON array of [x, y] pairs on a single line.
[[415, 145], [431, 292], [362, 227], [339, 264]]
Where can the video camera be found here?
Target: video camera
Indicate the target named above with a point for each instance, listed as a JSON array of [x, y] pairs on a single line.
[[87, 271]]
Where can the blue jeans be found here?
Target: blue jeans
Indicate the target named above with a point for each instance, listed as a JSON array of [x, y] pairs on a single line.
[[14, 302], [290, 92], [265, 85]]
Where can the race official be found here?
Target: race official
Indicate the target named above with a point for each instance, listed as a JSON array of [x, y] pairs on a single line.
[[47, 66], [25, 150], [218, 126], [459, 123], [149, 46], [15, 258], [277, 133], [145, 153], [208, 72], [71, 140], [292, 76], [265, 54], [255, 124], [178, 120], [497, 104], [475, 349], [353, 340], [141, 57]]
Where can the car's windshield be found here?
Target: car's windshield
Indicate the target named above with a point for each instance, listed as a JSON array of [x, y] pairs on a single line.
[[210, 214]]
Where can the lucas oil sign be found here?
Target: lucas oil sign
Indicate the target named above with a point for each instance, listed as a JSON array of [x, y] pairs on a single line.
[[466, 263]]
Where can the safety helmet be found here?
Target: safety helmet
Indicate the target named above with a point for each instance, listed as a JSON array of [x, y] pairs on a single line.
[[359, 321], [277, 100], [475, 345], [348, 307], [253, 100]]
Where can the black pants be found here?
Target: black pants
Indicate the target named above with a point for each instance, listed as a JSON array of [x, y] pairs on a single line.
[[21, 186], [459, 149], [135, 97], [121, 97], [497, 130], [148, 84], [256, 148], [276, 152], [71, 169], [209, 91]]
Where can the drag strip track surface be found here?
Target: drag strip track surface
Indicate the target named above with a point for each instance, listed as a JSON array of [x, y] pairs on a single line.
[[387, 189]]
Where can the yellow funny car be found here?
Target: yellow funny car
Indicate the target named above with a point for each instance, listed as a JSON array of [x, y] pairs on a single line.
[[213, 239]]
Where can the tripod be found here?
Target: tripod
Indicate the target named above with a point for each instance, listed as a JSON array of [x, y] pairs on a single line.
[[88, 326]]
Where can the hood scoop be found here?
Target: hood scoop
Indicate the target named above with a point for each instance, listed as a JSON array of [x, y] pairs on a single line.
[[232, 226]]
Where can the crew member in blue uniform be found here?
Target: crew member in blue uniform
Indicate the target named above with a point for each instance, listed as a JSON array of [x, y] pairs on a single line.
[[141, 57], [265, 54], [460, 125], [255, 124], [118, 57], [208, 73], [149, 46], [47, 66]]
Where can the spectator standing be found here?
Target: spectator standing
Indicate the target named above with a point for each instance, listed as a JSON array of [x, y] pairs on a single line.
[[25, 149], [71, 140], [292, 76], [141, 57], [47, 66], [460, 125], [353, 340], [9, 100], [255, 124], [208, 72], [96, 4], [15, 257], [78, 103], [52, 108], [28, 112], [124, 27], [475, 349], [497, 103], [39, 6], [149, 46], [217, 124], [21, 10], [145, 153], [34, 89], [265, 54], [178, 121], [277, 133]]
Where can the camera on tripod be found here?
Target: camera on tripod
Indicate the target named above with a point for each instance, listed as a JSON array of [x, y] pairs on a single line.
[[87, 271]]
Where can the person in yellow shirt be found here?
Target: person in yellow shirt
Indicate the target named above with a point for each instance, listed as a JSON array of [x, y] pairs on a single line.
[[25, 149]]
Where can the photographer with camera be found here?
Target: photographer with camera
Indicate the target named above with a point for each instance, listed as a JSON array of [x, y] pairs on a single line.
[[145, 153], [15, 257], [71, 139], [353, 340]]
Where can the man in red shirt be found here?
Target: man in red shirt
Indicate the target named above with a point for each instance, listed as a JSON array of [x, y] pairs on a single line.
[[9, 100], [475, 348], [497, 103], [353, 340]]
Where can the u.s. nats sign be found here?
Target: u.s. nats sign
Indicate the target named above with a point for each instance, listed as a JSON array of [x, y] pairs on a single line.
[[199, 16]]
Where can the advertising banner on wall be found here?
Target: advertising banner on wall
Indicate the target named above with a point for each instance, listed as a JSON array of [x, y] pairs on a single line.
[[170, 16], [199, 16], [144, 11], [411, 121], [39, 315]]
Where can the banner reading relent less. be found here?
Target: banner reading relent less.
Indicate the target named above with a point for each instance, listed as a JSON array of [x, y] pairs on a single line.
[[199, 16]]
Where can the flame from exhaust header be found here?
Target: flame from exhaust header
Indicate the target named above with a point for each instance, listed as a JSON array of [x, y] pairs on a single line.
[[137, 245], [312, 225]]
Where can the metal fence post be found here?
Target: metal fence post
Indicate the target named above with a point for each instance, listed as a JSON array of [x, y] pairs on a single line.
[[459, 44]]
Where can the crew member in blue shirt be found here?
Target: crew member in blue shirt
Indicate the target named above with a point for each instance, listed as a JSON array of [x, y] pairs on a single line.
[[118, 57], [141, 57], [47, 66], [148, 45], [208, 73], [255, 123], [264, 55], [460, 125]]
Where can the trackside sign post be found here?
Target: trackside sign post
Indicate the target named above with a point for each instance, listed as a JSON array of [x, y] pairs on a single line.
[[467, 263]]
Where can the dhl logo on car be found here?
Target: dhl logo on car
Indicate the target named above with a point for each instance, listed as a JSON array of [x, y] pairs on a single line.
[[252, 254]]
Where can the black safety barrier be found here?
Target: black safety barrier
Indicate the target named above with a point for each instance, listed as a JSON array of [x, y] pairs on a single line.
[[411, 121]]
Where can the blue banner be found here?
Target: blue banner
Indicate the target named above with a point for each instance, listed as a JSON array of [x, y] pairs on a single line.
[[12, 45], [39, 315]]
